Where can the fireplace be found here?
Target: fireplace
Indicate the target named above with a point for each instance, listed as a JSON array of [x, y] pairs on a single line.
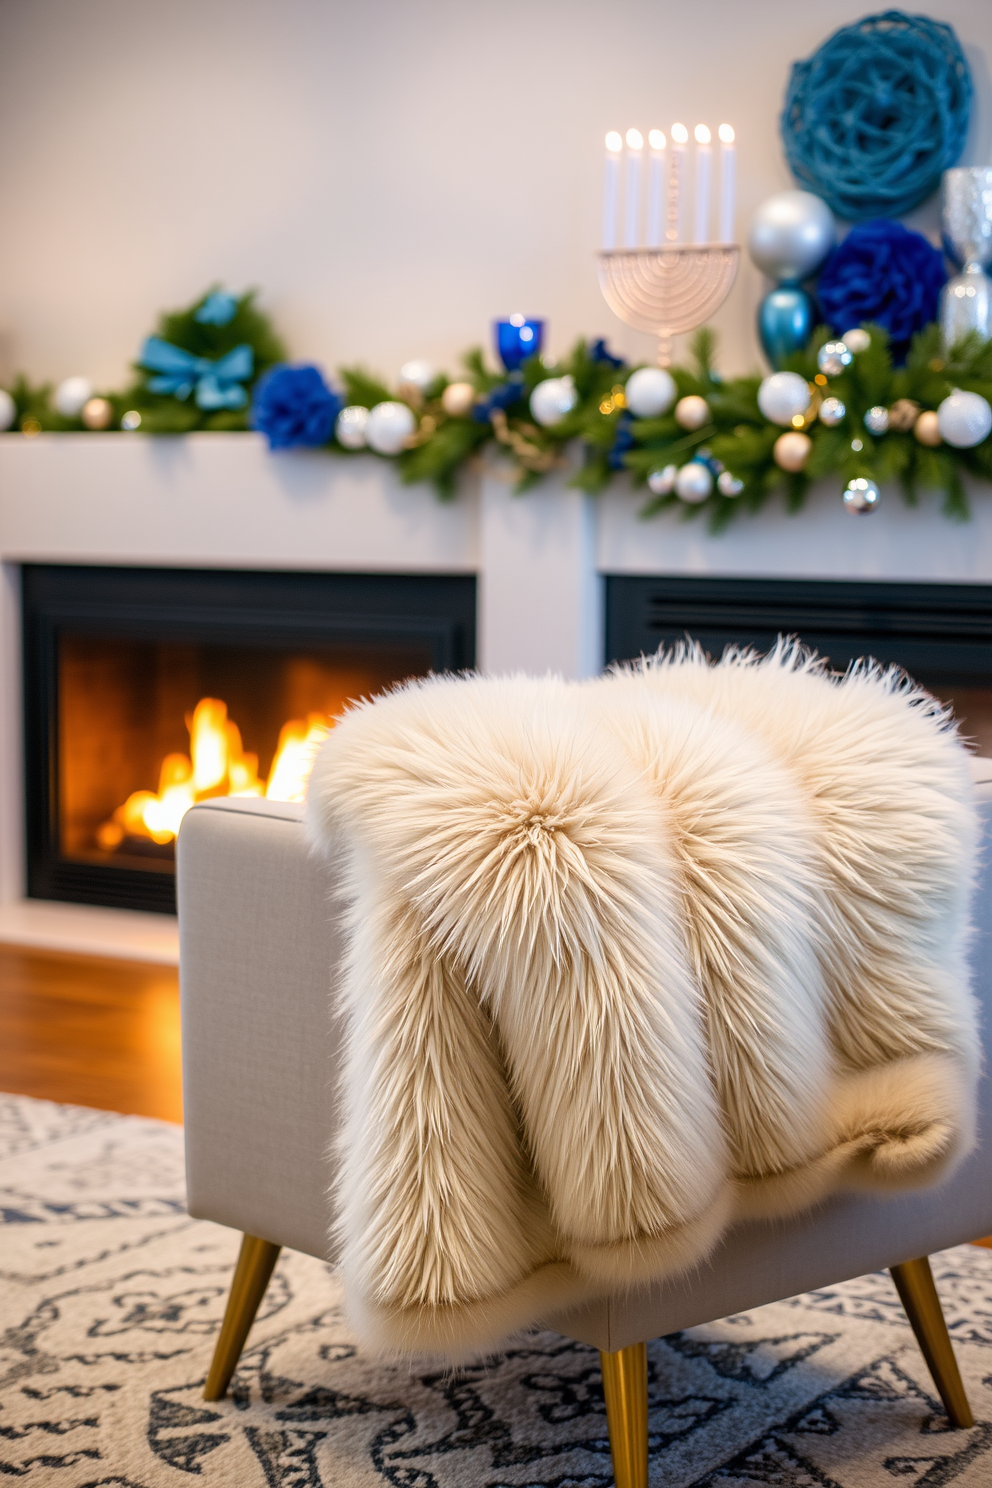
[[940, 633], [148, 689]]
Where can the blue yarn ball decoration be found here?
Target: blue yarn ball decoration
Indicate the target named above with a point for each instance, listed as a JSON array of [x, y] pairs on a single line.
[[873, 118], [294, 406], [883, 273]]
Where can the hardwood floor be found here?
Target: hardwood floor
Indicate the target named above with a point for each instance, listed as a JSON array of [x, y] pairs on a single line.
[[90, 1031]]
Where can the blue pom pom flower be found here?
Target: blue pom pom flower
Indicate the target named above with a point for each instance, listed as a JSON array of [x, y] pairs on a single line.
[[293, 406], [884, 273]]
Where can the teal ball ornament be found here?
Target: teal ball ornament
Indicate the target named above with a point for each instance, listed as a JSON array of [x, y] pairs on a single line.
[[785, 322], [790, 236]]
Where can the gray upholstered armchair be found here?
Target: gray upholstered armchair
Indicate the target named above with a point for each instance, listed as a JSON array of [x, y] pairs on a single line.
[[259, 952]]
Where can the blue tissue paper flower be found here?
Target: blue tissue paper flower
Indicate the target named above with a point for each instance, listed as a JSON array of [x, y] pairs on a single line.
[[294, 406], [884, 273], [623, 440], [600, 352], [502, 396]]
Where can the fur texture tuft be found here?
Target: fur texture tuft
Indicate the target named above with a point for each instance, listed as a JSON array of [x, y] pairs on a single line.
[[630, 958]]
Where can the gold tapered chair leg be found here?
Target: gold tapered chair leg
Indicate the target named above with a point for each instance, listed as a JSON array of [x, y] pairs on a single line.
[[918, 1295], [252, 1274], [625, 1385]]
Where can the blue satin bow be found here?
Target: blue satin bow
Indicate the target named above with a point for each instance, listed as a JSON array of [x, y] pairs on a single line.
[[217, 384]]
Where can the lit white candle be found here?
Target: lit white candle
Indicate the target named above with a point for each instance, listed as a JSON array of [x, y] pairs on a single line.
[[704, 164], [635, 147], [656, 187], [675, 212], [611, 188], [727, 172]]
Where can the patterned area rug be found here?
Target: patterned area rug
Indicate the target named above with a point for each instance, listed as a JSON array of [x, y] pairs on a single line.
[[112, 1296]]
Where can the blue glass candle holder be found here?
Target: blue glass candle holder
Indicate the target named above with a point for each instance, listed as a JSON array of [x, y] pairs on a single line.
[[517, 339]]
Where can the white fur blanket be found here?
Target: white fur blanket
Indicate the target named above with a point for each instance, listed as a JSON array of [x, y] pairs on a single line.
[[629, 959]]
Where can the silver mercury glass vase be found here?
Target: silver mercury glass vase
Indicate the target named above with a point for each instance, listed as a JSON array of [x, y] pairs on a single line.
[[966, 300]]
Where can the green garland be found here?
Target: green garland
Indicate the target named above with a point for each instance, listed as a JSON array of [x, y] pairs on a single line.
[[737, 437]]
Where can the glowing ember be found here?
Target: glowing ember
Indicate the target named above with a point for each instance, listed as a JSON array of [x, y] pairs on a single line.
[[217, 765]]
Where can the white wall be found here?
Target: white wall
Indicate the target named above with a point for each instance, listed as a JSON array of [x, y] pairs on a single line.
[[392, 173]]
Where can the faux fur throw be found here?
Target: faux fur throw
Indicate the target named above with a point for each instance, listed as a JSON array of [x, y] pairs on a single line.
[[630, 959]]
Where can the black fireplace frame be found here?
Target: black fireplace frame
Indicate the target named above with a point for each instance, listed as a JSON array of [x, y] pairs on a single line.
[[940, 633], [223, 606]]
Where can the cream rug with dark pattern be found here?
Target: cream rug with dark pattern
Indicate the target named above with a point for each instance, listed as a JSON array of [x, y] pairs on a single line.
[[111, 1299]]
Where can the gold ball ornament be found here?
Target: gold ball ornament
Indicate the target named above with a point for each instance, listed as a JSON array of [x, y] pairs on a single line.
[[791, 451], [903, 415], [458, 399], [692, 412], [97, 413], [926, 430]]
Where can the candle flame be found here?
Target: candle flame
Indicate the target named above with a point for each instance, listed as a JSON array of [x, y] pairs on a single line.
[[702, 134], [614, 141], [635, 139], [656, 139], [680, 134], [726, 132]]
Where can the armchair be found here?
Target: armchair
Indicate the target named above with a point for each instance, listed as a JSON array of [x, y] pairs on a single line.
[[259, 947]]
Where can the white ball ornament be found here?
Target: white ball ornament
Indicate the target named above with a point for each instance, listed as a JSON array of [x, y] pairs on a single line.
[[964, 419], [416, 376], [350, 428], [389, 427], [783, 396], [861, 496], [71, 396], [692, 412], [552, 400], [791, 451], [662, 482], [458, 399], [650, 392], [790, 235], [856, 340], [694, 482], [8, 410]]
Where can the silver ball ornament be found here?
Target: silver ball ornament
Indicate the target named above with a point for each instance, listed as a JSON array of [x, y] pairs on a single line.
[[458, 399], [861, 495], [650, 391], [552, 400], [833, 357], [783, 396], [692, 412], [694, 482], [964, 419], [389, 427], [832, 411], [877, 420], [790, 235], [71, 395], [131, 421], [856, 340], [791, 451], [729, 485], [8, 410], [350, 428], [662, 482]]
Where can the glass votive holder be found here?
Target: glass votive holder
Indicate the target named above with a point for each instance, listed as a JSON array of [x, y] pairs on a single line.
[[517, 339]]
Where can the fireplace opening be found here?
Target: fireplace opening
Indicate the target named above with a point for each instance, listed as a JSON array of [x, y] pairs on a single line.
[[148, 690], [941, 634]]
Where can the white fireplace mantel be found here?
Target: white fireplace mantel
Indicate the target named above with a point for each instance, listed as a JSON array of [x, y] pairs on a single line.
[[222, 500]]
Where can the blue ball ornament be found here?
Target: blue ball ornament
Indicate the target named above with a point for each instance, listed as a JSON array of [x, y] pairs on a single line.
[[874, 117], [885, 274], [785, 322]]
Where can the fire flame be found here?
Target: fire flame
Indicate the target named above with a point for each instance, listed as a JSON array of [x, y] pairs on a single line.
[[217, 765]]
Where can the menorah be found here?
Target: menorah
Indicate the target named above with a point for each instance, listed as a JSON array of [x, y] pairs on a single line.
[[668, 290], [668, 285]]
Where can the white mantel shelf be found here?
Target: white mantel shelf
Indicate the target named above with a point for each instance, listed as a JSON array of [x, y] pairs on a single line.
[[222, 500]]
